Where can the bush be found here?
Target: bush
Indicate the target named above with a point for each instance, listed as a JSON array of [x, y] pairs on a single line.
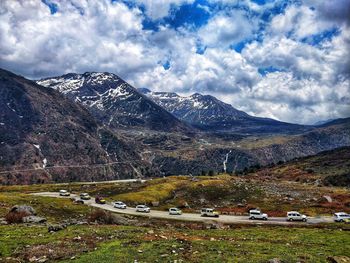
[[15, 217]]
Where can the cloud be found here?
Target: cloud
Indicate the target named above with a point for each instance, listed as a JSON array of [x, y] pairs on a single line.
[[302, 48], [92, 36], [226, 29], [299, 22]]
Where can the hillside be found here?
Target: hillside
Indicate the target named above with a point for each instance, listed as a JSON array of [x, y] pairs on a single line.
[[45, 137], [326, 168], [114, 102]]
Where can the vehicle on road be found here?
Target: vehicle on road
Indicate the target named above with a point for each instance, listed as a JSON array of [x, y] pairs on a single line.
[[175, 211], [257, 214], [100, 200], [119, 205], [210, 212], [64, 193], [296, 216], [341, 217], [143, 208], [78, 201], [85, 196]]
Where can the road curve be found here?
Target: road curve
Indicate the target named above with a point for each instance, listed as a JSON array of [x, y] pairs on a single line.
[[228, 219]]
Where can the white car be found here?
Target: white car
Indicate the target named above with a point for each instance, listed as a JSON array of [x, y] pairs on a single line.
[[341, 217], [296, 216], [257, 214], [175, 211], [64, 193], [143, 208], [119, 205], [209, 212]]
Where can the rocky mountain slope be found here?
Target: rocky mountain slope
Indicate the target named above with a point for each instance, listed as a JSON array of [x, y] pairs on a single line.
[[114, 102], [208, 113], [236, 155], [46, 137], [325, 168]]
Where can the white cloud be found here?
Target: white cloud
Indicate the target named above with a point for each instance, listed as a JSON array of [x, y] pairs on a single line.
[[299, 22], [102, 36], [226, 29], [106, 37]]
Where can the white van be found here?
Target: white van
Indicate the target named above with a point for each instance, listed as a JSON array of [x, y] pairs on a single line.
[[143, 208], [256, 214], [119, 205], [209, 212], [175, 211], [64, 193], [296, 216], [341, 217]]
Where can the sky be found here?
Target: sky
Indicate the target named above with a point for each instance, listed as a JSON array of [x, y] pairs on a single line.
[[287, 60]]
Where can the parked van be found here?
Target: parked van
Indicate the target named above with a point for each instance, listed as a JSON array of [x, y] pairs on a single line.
[[256, 214], [64, 193], [143, 208], [209, 212], [175, 211], [119, 205], [296, 216], [341, 217], [85, 196]]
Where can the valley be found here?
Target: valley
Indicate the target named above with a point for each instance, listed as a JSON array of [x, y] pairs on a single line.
[[101, 128]]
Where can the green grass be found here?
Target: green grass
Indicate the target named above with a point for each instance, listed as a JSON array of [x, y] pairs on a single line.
[[126, 244]]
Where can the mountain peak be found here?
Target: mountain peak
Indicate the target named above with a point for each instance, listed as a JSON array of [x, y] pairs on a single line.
[[113, 101]]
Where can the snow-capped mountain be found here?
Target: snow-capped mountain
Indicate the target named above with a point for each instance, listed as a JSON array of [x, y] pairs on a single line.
[[208, 113], [113, 101]]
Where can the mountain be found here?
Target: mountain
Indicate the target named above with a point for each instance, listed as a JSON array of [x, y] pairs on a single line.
[[45, 137], [207, 113], [114, 102]]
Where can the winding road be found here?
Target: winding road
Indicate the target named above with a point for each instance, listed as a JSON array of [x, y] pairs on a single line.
[[228, 219]]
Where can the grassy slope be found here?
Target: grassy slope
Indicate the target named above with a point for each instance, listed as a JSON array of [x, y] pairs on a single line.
[[126, 244]]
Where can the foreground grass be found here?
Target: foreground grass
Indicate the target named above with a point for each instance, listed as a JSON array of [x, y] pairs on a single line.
[[126, 244]]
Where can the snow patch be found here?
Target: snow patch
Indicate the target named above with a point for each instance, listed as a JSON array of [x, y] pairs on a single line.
[[37, 146], [44, 162]]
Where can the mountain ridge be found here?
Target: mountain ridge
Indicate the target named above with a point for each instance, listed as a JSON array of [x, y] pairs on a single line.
[[114, 102], [208, 113]]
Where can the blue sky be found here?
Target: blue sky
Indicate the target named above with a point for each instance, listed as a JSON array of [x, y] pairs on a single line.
[[287, 60]]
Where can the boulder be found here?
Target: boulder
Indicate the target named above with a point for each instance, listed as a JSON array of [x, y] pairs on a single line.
[[34, 219], [3, 221], [275, 260], [23, 209], [55, 228], [338, 259]]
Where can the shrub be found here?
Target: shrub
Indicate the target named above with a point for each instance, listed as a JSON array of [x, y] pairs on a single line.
[[15, 217]]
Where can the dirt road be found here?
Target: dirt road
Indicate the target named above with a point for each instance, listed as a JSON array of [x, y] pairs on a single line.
[[229, 219]]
